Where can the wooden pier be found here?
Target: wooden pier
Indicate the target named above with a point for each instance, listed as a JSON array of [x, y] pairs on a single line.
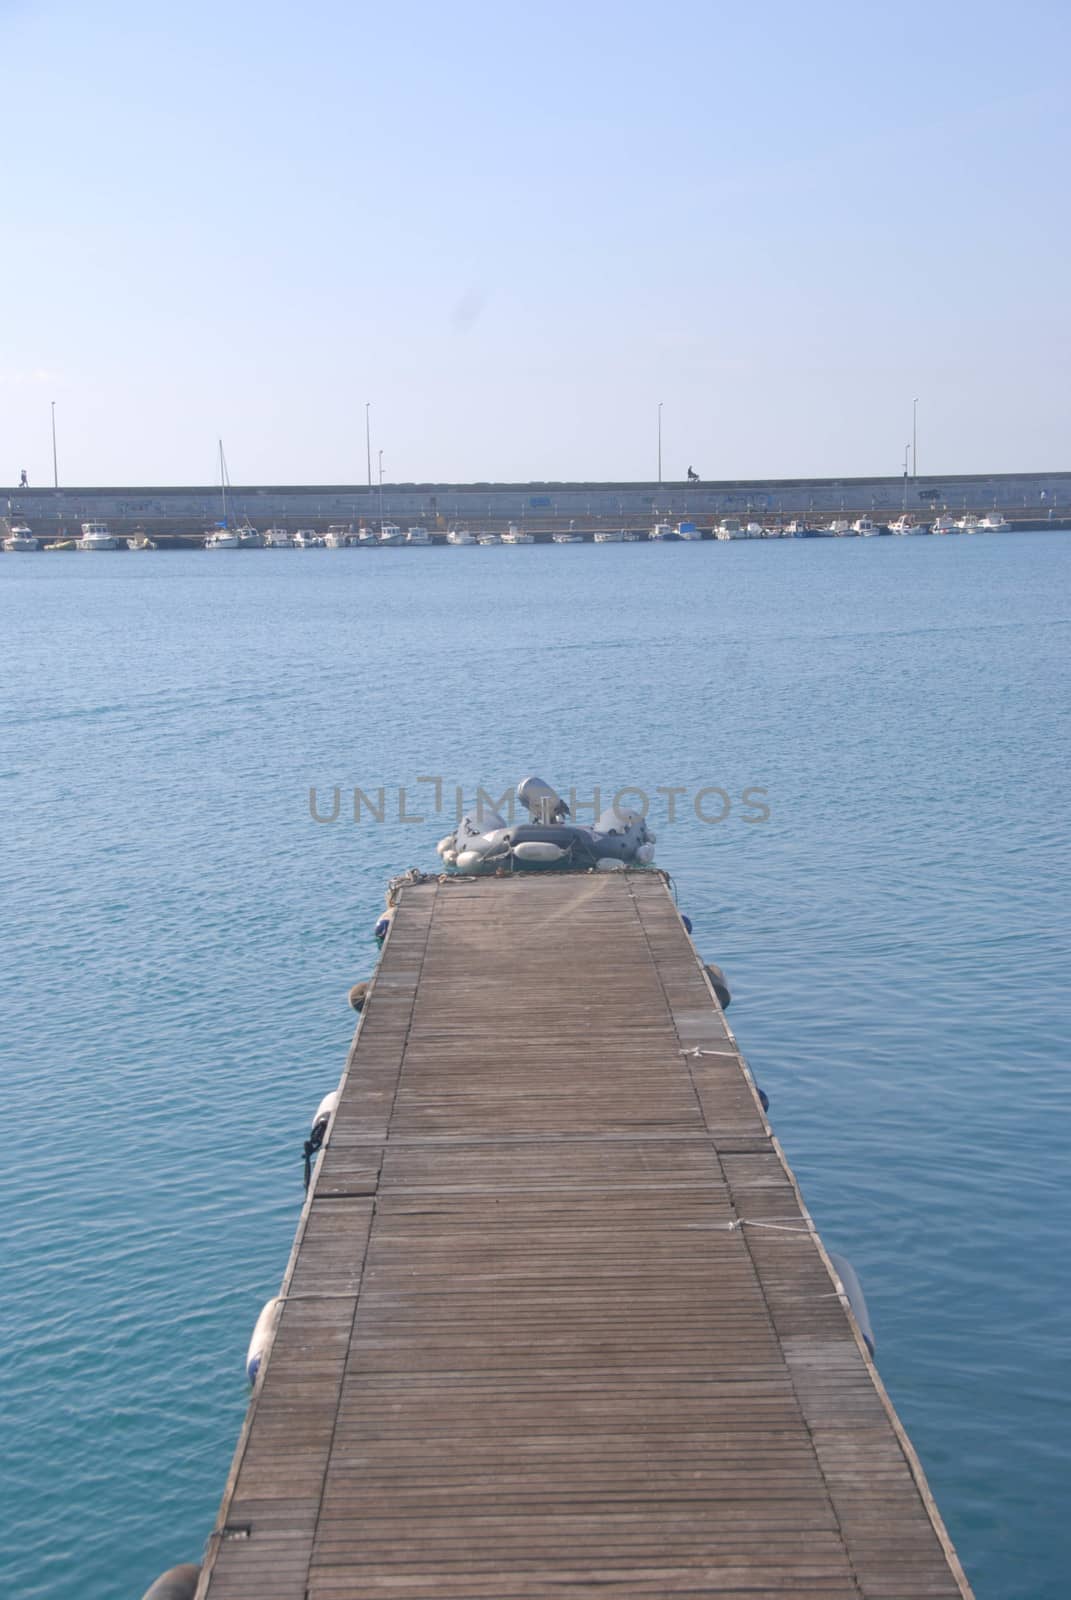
[[556, 1321]]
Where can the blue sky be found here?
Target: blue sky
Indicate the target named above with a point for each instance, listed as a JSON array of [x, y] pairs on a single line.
[[516, 230]]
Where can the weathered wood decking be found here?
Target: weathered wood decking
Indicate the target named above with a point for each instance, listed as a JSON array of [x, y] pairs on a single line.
[[536, 1340]]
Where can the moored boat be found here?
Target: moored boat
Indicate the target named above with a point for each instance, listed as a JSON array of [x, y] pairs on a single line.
[[307, 539], [567, 538], [994, 522], [513, 535], [278, 539], [223, 539], [729, 528], [688, 532], [661, 532], [339, 536], [864, 527], [484, 842], [140, 541], [19, 540], [906, 525], [489, 538], [460, 536], [968, 523], [391, 534], [249, 538], [97, 536], [944, 524], [610, 536], [418, 536]]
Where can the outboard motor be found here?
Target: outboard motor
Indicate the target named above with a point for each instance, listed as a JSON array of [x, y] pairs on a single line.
[[544, 803]]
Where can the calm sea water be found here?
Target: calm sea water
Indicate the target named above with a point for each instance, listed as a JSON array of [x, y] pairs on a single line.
[[179, 936]]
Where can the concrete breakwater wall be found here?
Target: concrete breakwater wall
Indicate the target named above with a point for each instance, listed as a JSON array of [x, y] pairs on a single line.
[[1032, 498]]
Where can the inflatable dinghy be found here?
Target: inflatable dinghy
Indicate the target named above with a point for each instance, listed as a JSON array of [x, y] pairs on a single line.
[[485, 842]]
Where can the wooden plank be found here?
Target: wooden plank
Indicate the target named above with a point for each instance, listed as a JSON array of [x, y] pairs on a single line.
[[556, 1321]]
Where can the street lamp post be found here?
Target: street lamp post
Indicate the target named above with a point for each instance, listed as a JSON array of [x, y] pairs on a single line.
[[55, 467], [660, 444], [907, 451], [368, 440], [915, 437]]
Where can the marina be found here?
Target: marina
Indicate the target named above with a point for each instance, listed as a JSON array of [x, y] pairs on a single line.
[[556, 1313], [360, 517], [19, 538]]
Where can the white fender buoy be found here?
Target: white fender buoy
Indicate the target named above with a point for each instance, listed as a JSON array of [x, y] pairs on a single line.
[[324, 1112], [446, 844], [853, 1290], [610, 864], [720, 984], [450, 858], [262, 1333], [177, 1583], [468, 859], [539, 850], [318, 1132], [645, 854]]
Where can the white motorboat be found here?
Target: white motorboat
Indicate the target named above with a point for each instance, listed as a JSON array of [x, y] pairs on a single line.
[[945, 524], [307, 539], [365, 538], [968, 523], [838, 528], [140, 541], [339, 536], [391, 534], [20, 541], [489, 538], [754, 530], [249, 538], [97, 536], [223, 539], [460, 536], [994, 522], [729, 528], [906, 524], [865, 527], [798, 529], [513, 535], [688, 532], [610, 536], [278, 539], [568, 538], [661, 532], [418, 536]]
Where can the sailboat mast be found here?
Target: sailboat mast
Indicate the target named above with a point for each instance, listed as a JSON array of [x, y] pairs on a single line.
[[223, 482]]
